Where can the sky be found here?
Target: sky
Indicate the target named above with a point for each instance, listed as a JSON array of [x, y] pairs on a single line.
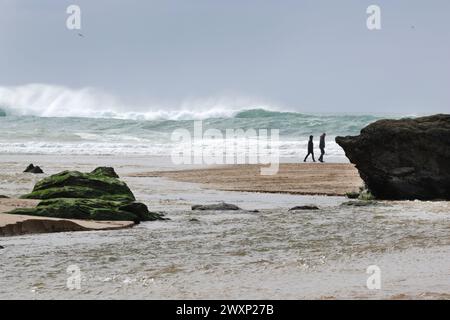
[[305, 56]]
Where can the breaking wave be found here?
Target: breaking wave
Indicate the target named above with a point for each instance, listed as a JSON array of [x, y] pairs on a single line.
[[44, 100], [46, 119]]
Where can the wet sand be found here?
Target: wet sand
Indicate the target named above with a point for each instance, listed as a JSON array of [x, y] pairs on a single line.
[[332, 179], [12, 225]]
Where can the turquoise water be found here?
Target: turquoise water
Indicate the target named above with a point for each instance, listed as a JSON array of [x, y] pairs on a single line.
[[84, 135]]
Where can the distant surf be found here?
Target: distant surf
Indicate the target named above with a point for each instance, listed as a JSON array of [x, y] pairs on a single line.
[[48, 119]]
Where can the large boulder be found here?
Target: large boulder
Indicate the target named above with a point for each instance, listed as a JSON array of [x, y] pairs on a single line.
[[403, 159], [95, 196], [74, 184]]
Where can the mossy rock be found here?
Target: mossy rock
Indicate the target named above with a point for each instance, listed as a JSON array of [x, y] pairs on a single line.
[[89, 209], [105, 171], [366, 196], [352, 195], [74, 184], [98, 195]]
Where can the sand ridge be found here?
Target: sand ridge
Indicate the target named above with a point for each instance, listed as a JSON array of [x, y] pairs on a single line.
[[11, 224], [333, 179]]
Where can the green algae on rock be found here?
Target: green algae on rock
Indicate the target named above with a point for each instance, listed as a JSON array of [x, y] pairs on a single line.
[[98, 195], [74, 184]]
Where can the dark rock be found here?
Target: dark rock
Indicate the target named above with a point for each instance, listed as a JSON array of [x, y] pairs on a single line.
[[403, 159], [253, 211], [401, 172], [3, 197], [36, 170], [352, 195], [359, 203], [141, 211], [194, 220], [105, 171], [93, 196], [307, 207], [2, 247], [216, 207], [33, 169], [29, 168]]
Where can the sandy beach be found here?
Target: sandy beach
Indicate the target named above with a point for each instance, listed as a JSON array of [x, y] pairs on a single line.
[[332, 179]]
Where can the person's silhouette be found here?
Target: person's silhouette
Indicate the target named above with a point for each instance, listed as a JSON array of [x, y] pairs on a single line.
[[322, 146], [310, 149]]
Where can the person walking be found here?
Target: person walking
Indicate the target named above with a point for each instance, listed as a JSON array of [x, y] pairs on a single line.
[[310, 149], [322, 146]]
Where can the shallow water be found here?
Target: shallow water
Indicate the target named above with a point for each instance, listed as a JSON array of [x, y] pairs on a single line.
[[273, 253]]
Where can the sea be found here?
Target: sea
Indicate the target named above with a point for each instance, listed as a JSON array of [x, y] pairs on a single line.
[[133, 134]]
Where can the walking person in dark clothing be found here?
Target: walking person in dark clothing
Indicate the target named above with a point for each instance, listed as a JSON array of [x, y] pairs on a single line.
[[322, 146], [310, 149]]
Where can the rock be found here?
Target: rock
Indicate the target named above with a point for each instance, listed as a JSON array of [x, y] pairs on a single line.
[[359, 203], [141, 211], [2, 247], [74, 184], [352, 195], [194, 220], [2, 113], [366, 195], [403, 159], [3, 197], [29, 168], [93, 196], [88, 209], [33, 169], [307, 207], [36, 170], [216, 207], [105, 171]]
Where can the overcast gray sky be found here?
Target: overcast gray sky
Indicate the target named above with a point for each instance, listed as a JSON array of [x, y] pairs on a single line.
[[309, 56]]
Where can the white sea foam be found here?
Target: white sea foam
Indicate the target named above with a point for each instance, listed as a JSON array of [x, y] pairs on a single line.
[[287, 149], [45, 100]]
